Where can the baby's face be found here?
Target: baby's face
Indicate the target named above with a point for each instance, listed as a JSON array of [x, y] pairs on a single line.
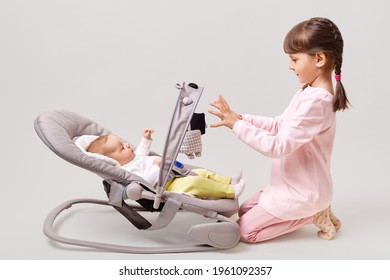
[[119, 150]]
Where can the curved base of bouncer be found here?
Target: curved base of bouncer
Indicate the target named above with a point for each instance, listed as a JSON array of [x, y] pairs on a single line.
[[220, 235]]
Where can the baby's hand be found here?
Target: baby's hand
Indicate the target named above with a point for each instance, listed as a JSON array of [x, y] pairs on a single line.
[[157, 161], [148, 133]]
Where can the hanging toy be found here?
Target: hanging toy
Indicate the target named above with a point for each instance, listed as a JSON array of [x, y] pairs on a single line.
[[192, 143]]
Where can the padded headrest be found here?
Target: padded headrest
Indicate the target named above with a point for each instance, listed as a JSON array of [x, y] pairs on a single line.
[[60, 129]]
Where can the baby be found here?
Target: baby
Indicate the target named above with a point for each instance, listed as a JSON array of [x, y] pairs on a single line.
[[206, 185]]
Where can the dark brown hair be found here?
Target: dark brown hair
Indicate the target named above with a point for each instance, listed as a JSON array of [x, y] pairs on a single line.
[[320, 35]]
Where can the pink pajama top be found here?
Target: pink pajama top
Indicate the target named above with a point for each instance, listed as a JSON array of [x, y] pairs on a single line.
[[300, 142]]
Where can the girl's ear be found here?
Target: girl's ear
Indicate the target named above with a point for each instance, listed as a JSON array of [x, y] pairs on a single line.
[[321, 59]]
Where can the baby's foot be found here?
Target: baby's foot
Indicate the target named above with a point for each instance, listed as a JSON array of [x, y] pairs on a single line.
[[239, 188], [236, 178]]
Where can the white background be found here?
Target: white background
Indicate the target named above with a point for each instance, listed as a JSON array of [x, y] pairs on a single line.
[[117, 62]]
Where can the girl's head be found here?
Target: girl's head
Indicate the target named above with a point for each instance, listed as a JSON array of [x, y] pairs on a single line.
[[320, 35]]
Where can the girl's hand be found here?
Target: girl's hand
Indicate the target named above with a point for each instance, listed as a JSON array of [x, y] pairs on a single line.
[[227, 116], [148, 133]]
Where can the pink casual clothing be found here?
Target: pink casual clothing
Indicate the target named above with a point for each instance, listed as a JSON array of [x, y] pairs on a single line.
[[258, 225], [300, 141]]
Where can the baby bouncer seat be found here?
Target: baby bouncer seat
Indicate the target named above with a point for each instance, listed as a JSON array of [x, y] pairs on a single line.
[[60, 129]]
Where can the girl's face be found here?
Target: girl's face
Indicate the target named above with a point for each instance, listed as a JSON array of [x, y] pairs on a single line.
[[305, 67]]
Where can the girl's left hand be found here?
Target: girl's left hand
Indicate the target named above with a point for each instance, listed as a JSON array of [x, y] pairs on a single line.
[[227, 116]]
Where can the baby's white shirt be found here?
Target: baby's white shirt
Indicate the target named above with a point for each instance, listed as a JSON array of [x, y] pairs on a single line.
[[142, 165]]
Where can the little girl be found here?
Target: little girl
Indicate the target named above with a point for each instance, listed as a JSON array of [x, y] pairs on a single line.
[[299, 141]]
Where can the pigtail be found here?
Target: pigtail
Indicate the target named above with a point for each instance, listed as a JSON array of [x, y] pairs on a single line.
[[341, 101]]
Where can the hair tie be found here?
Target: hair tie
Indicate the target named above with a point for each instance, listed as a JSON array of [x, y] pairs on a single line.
[[338, 77]]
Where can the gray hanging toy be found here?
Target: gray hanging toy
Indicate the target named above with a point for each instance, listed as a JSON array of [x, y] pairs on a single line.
[[192, 143]]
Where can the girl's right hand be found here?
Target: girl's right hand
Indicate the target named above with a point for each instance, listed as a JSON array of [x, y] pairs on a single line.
[[227, 116]]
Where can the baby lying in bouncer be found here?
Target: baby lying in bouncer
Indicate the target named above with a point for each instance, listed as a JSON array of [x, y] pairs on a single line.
[[206, 185]]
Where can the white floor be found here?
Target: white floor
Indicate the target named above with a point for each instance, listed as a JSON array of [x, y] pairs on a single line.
[[363, 235]]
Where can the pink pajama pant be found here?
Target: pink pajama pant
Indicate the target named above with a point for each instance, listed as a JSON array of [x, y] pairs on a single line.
[[257, 225]]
